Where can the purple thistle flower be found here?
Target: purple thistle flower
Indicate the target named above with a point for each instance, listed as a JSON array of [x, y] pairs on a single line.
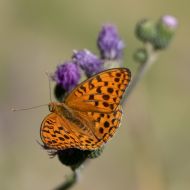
[[67, 75], [169, 21], [109, 42], [89, 62]]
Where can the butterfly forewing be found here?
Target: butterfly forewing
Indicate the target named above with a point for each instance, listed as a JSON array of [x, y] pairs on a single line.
[[100, 93]]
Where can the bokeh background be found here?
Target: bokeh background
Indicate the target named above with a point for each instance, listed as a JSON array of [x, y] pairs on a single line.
[[151, 152]]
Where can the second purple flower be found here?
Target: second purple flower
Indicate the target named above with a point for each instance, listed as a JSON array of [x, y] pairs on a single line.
[[88, 62], [109, 43]]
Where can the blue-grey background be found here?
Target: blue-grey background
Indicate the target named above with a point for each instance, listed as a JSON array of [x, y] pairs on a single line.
[[150, 152]]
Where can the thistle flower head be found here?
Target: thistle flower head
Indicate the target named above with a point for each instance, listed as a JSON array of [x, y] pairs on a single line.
[[88, 62], [109, 42], [169, 21], [67, 75]]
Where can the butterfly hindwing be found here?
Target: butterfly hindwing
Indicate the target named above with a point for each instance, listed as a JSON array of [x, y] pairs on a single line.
[[59, 133], [55, 133]]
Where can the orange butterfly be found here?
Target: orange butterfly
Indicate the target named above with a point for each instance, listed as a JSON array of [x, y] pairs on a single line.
[[90, 114]]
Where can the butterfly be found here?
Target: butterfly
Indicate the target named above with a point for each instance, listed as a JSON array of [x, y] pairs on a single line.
[[89, 115]]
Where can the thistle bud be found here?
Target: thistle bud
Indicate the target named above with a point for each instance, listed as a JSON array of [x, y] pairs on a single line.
[[146, 30], [166, 28], [141, 55]]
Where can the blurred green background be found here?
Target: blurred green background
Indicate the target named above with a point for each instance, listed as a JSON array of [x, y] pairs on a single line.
[[151, 152]]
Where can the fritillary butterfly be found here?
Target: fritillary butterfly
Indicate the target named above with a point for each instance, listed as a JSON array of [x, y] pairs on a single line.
[[90, 114]]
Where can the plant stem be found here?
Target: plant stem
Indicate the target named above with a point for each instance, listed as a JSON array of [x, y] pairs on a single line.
[[143, 68], [70, 181]]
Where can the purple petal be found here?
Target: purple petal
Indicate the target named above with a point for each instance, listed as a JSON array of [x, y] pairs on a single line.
[[170, 21], [89, 62], [67, 75], [109, 42]]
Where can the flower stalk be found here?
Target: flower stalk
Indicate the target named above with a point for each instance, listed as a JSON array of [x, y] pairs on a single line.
[[143, 68], [70, 181]]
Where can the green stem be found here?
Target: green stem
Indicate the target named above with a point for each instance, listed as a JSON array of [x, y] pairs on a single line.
[[70, 181], [143, 68]]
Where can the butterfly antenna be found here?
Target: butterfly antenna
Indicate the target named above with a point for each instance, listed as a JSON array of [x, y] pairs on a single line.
[[21, 109], [49, 81]]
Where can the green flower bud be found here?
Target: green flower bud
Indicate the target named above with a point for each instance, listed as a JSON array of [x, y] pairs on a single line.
[[141, 55], [145, 30]]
